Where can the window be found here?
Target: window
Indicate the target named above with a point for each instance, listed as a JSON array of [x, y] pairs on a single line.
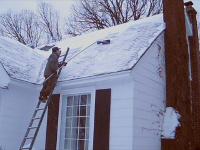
[[75, 122]]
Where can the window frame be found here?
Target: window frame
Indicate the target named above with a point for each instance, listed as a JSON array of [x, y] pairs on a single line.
[[78, 91]]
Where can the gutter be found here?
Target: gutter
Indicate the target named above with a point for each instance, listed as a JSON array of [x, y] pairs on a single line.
[[96, 78], [24, 84]]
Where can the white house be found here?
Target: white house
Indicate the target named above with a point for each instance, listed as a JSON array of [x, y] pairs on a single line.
[[109, 96], [130, 70]]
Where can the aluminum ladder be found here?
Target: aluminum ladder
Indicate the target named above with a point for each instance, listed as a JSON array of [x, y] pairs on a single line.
[[38, 116]]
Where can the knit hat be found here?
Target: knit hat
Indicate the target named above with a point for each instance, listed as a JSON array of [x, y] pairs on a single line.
[[54, 49]]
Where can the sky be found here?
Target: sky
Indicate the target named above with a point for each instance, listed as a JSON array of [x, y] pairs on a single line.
[[63, 6]]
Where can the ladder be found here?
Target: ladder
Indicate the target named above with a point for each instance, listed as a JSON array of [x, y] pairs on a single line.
[[36, 121]]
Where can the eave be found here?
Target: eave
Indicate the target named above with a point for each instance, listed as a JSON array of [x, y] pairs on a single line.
[[95, 78]]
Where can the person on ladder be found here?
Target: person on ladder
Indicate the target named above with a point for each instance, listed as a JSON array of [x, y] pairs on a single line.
[[51, 68]]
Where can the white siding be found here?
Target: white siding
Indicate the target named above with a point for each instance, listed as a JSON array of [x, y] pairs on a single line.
[[17, 106], [121, 113], [149, 97]]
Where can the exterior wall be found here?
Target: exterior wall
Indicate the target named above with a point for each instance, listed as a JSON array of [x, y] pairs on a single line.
[[149, 97], [121, 112], [18, 103]]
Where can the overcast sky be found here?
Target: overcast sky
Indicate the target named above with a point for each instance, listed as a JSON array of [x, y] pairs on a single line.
[[63, 6]]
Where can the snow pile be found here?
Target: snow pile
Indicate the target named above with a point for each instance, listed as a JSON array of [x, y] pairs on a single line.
[[171, 122], [20, 61]]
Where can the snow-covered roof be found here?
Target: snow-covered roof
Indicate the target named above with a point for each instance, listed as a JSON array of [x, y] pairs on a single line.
[[20, 61], [128, 42]]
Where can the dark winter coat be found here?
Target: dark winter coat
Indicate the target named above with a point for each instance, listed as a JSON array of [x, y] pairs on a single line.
[[52, 65]]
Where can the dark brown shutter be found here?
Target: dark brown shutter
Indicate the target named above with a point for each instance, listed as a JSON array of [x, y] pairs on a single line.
[[102, 119], [52, 122]]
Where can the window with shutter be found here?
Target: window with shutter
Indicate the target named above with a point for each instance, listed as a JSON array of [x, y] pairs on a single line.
[[75, 122]]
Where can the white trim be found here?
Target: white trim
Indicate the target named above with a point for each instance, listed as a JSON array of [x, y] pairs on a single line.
[[4, 77], [1, 106], [93, 79], [59, 122], [24, 84], [90, 90]]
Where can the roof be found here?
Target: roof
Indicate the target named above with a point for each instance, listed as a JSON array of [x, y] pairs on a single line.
[[20, 61], [128, 42]]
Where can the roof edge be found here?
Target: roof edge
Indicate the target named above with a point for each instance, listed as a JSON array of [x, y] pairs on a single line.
[[4, 76], [96, 78], [148, 48]]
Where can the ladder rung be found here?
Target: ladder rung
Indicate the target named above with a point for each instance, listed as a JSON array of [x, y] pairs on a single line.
[[39, 109], [33, 127], [36, 118], [25, 148], [29, 137]]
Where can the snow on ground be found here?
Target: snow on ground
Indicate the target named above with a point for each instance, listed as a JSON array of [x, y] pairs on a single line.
[[171, 122], [129, 41], [19, 61]]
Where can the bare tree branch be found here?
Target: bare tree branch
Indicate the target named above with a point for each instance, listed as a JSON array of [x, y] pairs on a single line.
[[99, 14], [12, 24], [32, 29], [22, 26], [50, 21]]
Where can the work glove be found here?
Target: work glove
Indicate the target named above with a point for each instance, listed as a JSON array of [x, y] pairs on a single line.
[[65, 63], [62, 64]]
